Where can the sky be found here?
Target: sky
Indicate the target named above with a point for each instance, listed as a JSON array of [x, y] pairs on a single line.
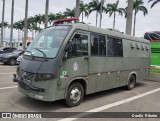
[[144, 24]]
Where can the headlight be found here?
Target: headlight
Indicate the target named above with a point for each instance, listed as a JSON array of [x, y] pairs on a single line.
[[43, 77]]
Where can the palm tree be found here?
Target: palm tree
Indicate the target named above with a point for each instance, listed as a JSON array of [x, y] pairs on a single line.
[[129, 14], [138, 6], [95, 5], [154, 2], [19, 26], [113, 9], [12, 17], [3, 11], [60, 15], [69, 12], [26, 25], [77, 8], [84, 9], [46, 13], [51, 18], [5, 25]]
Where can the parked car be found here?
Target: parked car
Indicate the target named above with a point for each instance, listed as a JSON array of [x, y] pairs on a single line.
[[11, 58], [6, 50]]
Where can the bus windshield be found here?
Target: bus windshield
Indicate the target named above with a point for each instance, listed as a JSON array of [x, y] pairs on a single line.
[[48, 42]]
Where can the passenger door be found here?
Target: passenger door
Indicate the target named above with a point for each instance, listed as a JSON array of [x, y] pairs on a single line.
[[76, 63], [97, 63]]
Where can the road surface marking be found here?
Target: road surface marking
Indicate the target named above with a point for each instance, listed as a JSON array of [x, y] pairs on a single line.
[[7, 73], [8, 87], [72, 118]]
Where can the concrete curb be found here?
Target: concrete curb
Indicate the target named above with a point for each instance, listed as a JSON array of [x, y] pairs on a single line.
[[154, 77]]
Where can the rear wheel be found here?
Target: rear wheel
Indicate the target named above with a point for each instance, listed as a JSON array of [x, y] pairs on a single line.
[[75, 94], [12, 62], [131, 82]]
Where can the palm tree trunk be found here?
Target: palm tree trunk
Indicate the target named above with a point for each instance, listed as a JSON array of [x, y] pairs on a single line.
[[77, 8], [26, 24], [32, 34], [3, 11], [129, 17], [134, 26], [12, 17], [114, 20], [18, 34], [82, 16], [96, 17], [46, 13], [100, 22]]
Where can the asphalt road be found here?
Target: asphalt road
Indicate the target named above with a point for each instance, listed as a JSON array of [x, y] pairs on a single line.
[[145, 97]]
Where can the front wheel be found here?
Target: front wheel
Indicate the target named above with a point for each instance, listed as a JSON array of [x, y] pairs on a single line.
[[131, 82], [75, 94], [12, 62]]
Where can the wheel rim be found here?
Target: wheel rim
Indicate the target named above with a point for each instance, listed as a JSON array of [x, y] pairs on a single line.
[[12, 62], [75, 95]]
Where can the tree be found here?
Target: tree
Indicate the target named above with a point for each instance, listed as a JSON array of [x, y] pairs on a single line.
[[12, 17], [154, 2], [19, 25], [60, 15], [77, 8], [69, 12], [84, 9], [3, 11], [129, 14], [113, 9], [138, 6], [5, 25], [51, 17], [46, 13], [37, 19], [26, 25], [95, 5]]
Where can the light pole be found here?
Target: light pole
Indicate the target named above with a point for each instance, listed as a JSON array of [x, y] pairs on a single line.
[[46, 13], [129, 17], [2, 27], [12, 17]]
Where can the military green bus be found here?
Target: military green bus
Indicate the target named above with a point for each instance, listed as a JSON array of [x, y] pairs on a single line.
[[69, 61]]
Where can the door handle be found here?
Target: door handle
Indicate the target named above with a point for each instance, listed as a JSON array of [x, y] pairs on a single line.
[[86, 58]]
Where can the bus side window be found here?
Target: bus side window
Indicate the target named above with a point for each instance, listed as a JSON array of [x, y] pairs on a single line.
[[114, 47], [98, 45], [79, 46]]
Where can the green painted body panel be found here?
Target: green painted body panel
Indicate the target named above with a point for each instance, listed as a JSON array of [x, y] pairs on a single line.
[[155, 53]]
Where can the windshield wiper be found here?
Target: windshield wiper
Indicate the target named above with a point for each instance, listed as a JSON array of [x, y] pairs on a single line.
[[44, 55], [30, 53]]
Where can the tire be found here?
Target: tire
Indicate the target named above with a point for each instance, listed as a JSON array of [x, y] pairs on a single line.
[[131, 82], [75, 94], [12, 62]]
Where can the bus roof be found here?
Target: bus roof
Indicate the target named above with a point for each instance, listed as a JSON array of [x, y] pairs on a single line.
[[86, 27]]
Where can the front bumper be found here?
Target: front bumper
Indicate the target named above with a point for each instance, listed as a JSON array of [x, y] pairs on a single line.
[[38, 90], [26, 86]]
